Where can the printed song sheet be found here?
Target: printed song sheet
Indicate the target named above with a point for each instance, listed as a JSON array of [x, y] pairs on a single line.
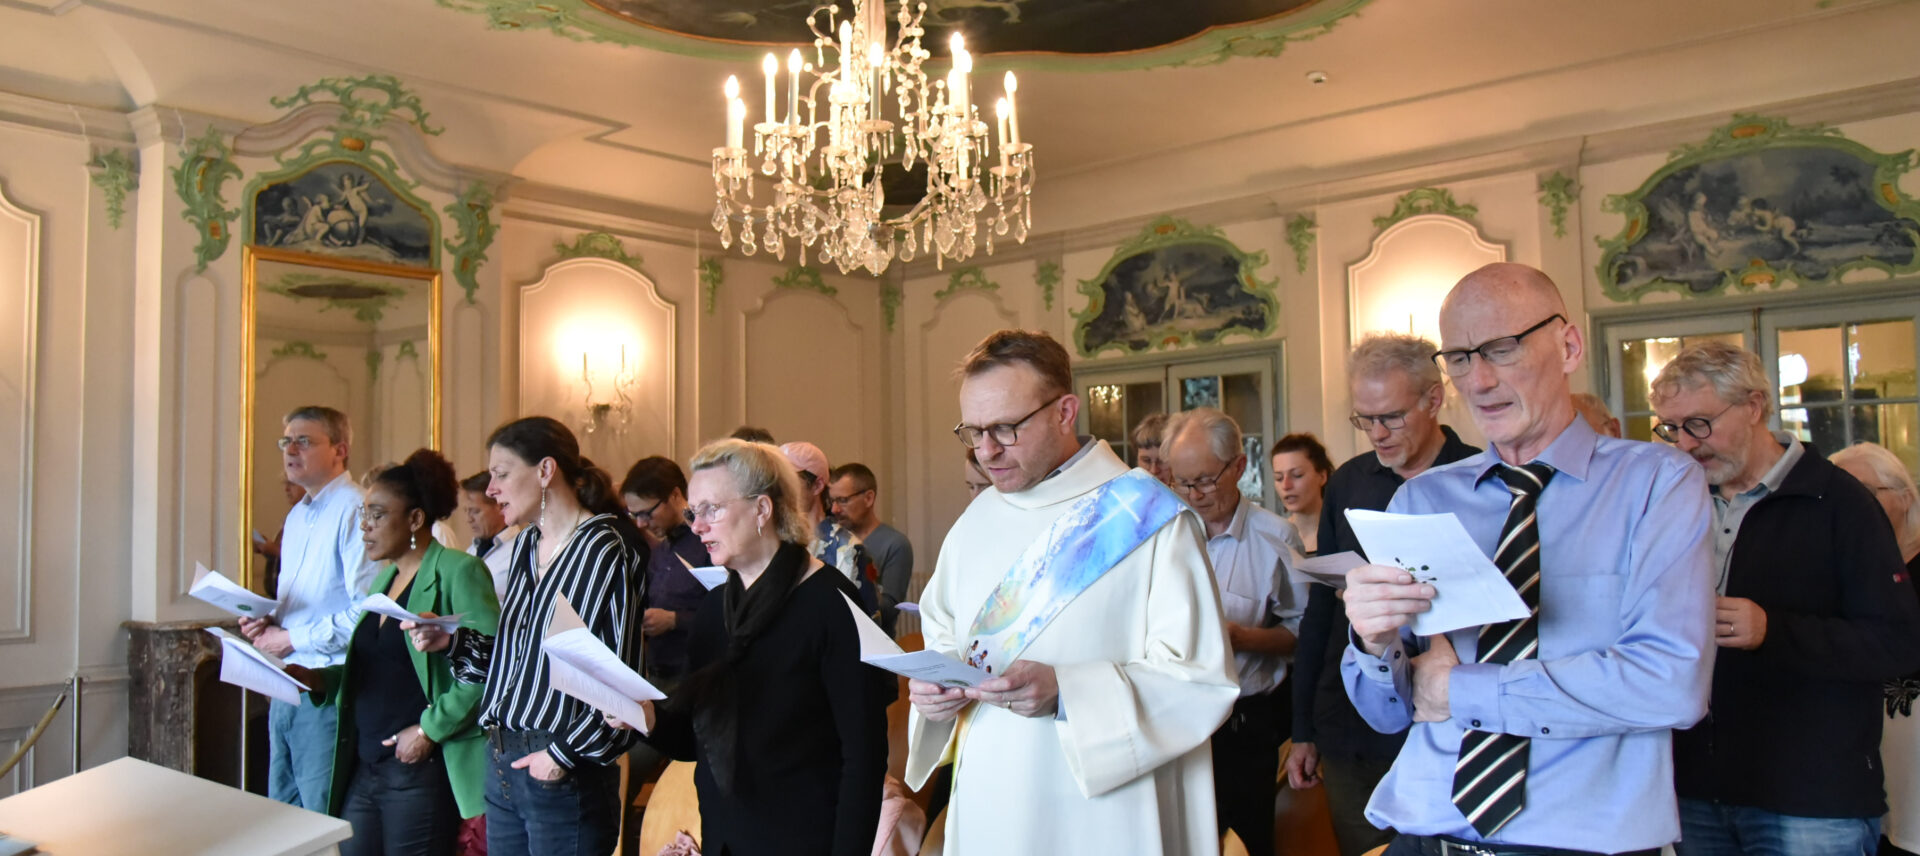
[[214, 587], [380, 604], [582, 666], [930, 666], [250, 668], [1437, 550], [711, 576]]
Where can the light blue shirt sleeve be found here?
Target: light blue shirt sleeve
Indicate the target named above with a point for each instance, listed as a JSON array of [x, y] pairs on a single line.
[[322, 589]]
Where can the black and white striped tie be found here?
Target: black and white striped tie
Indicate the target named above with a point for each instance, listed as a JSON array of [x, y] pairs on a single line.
[[1489, 781]]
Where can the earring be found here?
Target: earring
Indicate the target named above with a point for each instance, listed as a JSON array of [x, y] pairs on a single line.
[[413, 540], [759, 527], [543, 509]]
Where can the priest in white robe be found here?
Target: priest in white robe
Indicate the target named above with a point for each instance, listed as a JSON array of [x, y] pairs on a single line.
[[1089, 596]]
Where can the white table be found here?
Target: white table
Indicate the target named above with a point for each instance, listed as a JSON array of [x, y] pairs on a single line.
[[131, 806]]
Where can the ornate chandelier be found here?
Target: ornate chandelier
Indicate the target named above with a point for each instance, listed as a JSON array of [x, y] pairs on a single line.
[[831, 195]]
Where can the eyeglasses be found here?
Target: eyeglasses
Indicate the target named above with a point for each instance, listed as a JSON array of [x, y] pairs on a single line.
[[647, 515], [1203, 485], [842, 500], [1004, 433], [1700, 427], [1391, 421], [302, 442], [712, 512], [1503, 351], [370, 517]]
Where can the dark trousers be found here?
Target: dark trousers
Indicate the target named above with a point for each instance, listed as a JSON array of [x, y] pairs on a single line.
[[1349, 782], [1246, 768], [400, 809], [576, 816]]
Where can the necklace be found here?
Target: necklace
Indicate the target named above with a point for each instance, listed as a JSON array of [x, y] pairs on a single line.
[[562, 546]]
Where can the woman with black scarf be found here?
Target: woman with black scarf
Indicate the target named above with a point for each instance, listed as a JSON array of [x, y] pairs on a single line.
[[788, 726]]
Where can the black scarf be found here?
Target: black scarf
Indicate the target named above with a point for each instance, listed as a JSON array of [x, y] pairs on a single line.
[[713, 691]]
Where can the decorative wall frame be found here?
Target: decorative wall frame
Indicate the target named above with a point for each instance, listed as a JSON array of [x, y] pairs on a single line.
[[1175, 285], [1558, 192], [1409, 267], [1759, 204], [1300, 238], [114, 174], [1426, 200], [600, 245], [343, 206], [473, 215], [963, 279], [1046, 275], [205, 165], [805, 279], [712, 274]]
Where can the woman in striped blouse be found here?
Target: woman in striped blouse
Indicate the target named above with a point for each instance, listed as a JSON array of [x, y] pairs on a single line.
[[552, 787]]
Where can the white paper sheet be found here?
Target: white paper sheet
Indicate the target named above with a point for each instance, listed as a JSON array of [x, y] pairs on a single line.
[[933, 667], [380, 604], [1329, 570], [582, 666], [1437, 550], [711, 576], [250, 668], [214, 587]]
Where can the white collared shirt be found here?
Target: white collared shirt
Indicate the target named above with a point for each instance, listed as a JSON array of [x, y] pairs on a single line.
[[1250, 566], [500, 559], [324, 573]]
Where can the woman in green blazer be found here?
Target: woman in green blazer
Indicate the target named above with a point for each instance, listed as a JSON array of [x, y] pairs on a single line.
[[409, 761]]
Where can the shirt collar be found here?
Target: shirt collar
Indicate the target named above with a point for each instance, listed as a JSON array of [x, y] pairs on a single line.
[[316, 498], [1086, 445], [1237, 526], [1777, 474], [1570, 454]]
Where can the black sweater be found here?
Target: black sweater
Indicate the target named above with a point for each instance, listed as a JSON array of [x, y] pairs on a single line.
[[812, 731], [1794, 725]]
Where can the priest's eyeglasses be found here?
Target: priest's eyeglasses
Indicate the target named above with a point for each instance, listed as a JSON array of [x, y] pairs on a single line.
[[1204, 484], [1004, 433], [713, 512], [1504, 351], [1700, 427]]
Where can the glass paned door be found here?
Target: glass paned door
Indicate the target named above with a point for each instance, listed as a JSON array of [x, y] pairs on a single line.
[[1114, 401], [1637, 352], [1846, 376]]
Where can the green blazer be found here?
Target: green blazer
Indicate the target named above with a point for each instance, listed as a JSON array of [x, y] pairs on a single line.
[[448, 583]]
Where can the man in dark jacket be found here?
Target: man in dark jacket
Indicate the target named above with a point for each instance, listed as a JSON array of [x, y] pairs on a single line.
[[1397, 393], [1812, 616]]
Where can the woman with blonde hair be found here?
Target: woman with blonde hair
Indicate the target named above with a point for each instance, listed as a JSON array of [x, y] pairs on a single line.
[[788, 726], [1883, 473]]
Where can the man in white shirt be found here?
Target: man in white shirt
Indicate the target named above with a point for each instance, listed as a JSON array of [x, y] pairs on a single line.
[[492, 540], [324, 575], [1249, 546]]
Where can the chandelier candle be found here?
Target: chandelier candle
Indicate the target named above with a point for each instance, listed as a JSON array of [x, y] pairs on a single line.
[[771, 66], [1013, 109], [736, 113]]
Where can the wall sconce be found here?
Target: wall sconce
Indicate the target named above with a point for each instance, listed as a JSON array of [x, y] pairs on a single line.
[[1104, 395], [607, 406]]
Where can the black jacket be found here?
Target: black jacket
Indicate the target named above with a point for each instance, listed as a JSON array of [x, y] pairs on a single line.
[[1322, 713], [1794, 726]]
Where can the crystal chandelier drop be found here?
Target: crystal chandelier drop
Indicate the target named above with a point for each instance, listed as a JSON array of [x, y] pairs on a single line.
[[826, 155]]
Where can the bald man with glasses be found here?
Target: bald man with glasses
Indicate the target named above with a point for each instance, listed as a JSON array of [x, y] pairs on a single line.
[[1552, 732]]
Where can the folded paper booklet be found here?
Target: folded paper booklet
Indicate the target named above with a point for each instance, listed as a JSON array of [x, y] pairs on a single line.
[[1436, 549], [930, 666], [214, 587], [582, 666], [380, 604], [250, 668], [711, 576], [905, 606], [1328, 570]]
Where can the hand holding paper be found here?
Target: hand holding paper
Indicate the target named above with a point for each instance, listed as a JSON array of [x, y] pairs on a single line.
[[1467, 590], [582, 666], [214, 587], [249, 668], [380, 604]]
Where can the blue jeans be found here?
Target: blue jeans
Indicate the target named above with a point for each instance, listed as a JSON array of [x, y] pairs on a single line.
[[1713, 829], [400, 809], [576, 816], [300, 754]]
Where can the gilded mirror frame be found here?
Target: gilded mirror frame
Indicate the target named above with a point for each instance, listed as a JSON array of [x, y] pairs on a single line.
[[251, 257]]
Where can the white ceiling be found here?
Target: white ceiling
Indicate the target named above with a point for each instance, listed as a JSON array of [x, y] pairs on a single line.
[[1411, 81]]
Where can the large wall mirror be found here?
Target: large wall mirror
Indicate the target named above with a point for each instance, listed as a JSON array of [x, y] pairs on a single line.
[[357, 335]]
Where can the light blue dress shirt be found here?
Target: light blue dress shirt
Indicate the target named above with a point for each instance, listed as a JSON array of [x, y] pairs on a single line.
[[324, 573], [1626, 650]]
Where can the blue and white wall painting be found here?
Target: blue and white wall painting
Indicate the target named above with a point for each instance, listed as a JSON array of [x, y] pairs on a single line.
[[1760, 203], [342, 209], [1174, 285]]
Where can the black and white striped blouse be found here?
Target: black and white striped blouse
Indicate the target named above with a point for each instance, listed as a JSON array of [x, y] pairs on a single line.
[[606, 584]]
